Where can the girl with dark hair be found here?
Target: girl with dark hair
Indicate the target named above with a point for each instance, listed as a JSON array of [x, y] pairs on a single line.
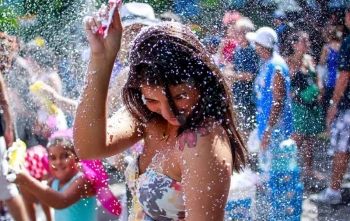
[[306, 94], [69, 192], [178, 102]]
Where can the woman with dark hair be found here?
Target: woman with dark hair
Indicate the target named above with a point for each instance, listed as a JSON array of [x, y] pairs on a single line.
[[307, 113], [178, 102], [328, 61]]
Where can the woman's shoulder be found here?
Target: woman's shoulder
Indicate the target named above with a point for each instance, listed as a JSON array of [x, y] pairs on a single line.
[[204, 147], [203, 137]]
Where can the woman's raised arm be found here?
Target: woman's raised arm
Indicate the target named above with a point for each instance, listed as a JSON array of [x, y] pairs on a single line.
[[90, 135]]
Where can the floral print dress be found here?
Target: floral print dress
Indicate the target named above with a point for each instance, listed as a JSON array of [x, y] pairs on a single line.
[[156, 196]]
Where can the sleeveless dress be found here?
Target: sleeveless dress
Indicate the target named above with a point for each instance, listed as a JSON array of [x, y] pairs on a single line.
[[83, 210], [332, 63], [331, 78], [156, 196], [307, 112]]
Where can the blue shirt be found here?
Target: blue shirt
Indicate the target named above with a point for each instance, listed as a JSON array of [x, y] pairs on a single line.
[[264, 97], [83, 210], [344, 65], [332, 67], [245, 60]]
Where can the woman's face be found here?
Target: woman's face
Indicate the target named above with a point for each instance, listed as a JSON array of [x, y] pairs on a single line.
[[303, 45], [185, 96], [62, 162]]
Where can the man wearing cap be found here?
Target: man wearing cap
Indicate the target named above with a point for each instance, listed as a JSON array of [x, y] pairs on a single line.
[[242, 73], [272, 88]]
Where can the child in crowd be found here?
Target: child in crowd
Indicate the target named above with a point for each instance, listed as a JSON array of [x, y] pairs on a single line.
[[71, 194]]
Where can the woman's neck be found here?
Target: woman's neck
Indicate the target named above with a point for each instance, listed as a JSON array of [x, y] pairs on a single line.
[[294, 64]]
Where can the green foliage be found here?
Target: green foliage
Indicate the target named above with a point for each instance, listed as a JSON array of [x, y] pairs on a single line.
[[8, 19], [56, 21]]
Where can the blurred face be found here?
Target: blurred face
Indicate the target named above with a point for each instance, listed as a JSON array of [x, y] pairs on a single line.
[[262, 51], [303, 45], [62, 163], [240, 34], [185, 96], [231, 30]]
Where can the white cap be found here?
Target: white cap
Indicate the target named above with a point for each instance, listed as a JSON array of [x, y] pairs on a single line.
[[264, 36], [137, 13]]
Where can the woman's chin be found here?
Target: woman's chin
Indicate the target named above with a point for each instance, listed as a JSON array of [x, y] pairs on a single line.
[[173, 121]]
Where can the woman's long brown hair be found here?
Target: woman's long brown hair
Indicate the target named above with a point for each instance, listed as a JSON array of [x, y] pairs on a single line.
[[170, 54]]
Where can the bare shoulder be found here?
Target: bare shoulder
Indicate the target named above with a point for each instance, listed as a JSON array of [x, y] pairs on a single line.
[[205, 146], [206, 168]]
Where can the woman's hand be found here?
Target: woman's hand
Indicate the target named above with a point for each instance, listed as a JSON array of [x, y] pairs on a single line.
[[22, 176], [109, 46]]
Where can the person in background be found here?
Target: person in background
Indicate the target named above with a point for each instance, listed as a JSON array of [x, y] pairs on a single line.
[[24, 112], [279, 21], [272, 90], [228, 42], [308, 119], [70, 193], [8, 192], [313, 24], [338, 116], [212, 45], [43, 66], [241, 72], [328, 63], [135, 16], [176, 101]]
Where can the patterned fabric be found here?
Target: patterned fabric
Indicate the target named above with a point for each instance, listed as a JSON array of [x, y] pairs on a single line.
[[156, 196], [33, 162], [340, 134], [344, 65]]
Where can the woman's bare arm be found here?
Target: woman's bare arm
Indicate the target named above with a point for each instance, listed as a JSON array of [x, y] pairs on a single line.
[[206, 176], [90, 127]]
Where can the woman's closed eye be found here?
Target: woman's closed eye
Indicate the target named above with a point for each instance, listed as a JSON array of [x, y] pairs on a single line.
[[150, 100], [181, 96]]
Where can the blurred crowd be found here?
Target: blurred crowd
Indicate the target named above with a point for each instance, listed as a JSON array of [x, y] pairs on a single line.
[[301, 64]]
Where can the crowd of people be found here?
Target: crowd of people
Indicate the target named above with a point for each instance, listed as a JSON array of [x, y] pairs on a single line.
[[178, 105]]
